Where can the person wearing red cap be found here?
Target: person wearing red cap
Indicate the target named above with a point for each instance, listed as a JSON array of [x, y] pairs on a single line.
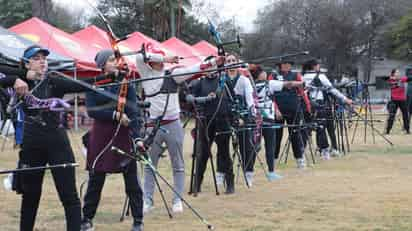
[[160, 92]]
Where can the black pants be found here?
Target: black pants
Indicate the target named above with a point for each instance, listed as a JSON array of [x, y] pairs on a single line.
[[269, 135], [247, 150], [55, 149], [393, 108], [295, 134], [224, 161], [322, 117], [132, 187], [409, 100]]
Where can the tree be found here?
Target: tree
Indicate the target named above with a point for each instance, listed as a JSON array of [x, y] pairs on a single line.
[[162, 15], [340, 32], [41, 9], [66, 19], [399, 38], [124, 16], [13, 12]]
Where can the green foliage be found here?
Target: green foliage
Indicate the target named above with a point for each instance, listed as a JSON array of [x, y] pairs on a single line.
[[13, 12], [400, 38], [124, 16]]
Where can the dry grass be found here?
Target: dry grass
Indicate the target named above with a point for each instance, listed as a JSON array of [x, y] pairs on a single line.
[[369, 189]]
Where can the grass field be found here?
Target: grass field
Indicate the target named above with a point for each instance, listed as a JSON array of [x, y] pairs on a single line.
[[368, 189]]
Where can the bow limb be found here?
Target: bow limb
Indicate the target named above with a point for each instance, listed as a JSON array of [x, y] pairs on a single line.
[[121, 65]]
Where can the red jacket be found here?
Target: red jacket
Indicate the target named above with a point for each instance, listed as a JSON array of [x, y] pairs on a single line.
[[398, 90]]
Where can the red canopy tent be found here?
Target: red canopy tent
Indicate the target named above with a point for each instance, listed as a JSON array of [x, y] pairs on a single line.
[[136, 39], [190, 55], [99, 39], [94, 36], [204, 48], [61, 42]]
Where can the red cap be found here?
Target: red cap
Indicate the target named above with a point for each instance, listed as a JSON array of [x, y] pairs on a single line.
[[150, 48]]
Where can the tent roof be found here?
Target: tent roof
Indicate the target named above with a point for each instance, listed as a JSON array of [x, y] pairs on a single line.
[[94, 36], [59, 41], [99, 40], [205, 48], [190, 55], [12, 47]]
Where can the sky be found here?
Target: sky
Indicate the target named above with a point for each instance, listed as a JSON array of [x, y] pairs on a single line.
[[244, 11]]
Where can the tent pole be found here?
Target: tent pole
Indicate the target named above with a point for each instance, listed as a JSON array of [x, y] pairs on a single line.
[[76, 107]]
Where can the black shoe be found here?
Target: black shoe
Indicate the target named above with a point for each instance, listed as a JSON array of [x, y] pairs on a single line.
[[86, 225], [137, 227], [230, 183]]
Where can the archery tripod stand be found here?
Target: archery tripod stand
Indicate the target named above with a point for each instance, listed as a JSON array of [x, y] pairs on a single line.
[[195, 181], [126, 204], [5, 128], [341, 128], [305, 134], [141, 157], [237, 156], [367, 117]]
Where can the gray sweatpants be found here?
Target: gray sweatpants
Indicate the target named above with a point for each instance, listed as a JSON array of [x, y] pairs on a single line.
[[173, 137]]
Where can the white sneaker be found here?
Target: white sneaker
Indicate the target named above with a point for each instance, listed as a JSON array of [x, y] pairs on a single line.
[[220, 177], [325, 154], [147, 206], [335, 153], [249, 178], [177, 206], [301, 163]]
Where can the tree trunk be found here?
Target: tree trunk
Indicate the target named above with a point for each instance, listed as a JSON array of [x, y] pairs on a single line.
[[40, 9], [172, 22]]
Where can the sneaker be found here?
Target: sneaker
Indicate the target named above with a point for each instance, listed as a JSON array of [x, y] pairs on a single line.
[[86, 225], [177, 206], [301, 163], [147, 206], [220, 177], [272, 176], [249, 178], [334, 153], [137, 227], [325, 154]]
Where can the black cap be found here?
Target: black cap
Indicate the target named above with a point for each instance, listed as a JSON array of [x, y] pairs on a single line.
[[312, 62], [284, 61]]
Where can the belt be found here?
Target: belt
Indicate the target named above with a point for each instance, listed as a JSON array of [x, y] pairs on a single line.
[[162, 122]]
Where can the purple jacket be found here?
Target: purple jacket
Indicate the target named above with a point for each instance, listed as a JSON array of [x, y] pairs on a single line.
[[100, 135]]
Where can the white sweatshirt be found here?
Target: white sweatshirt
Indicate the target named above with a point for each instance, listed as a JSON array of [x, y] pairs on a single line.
[[244, 88], [157, 103], [265, 89], [316, 92]]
